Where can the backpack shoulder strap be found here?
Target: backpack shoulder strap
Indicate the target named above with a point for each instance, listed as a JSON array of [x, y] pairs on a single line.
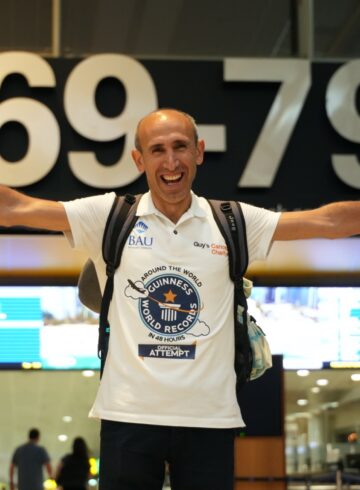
[[231, 222], [120, 222]]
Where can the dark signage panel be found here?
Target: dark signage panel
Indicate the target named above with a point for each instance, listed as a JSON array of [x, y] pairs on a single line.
[[281, 134]]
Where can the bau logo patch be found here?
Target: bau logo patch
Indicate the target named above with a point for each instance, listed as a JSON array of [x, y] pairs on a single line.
[[141, 227], [139, 238]]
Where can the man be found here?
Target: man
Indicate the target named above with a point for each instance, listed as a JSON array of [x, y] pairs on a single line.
[[167, 393], [29, 460]]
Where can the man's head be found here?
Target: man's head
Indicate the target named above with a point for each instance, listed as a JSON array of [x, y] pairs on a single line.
[[34, 435], [169, 109], [168, 151]]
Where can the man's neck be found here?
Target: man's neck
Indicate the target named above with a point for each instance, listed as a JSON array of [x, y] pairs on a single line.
[[173, 211]]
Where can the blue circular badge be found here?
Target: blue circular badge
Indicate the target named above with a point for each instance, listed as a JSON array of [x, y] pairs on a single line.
[[172, 306]]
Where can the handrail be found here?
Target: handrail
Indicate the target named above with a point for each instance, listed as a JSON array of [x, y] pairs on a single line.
[[337, 477]]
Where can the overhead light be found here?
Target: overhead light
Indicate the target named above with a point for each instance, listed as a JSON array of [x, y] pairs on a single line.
[[345, 364], [328, 405], [315, 389], [50, 484], [31, 365], [88, 373], [307, 364], [67, 418], [62, 437], [303, 415], [302, 402], [355, 377], [322, 382], [313, 444], [303, 372], [94, 470]]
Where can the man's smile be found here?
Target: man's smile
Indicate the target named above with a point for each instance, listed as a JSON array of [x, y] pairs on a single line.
[[172, 179]]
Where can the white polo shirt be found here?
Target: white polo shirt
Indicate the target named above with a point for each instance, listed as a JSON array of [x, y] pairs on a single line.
[[171, 351]]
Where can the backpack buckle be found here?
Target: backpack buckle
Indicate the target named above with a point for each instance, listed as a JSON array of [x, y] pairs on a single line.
[[129, 198], [110, 269], [225, 207]]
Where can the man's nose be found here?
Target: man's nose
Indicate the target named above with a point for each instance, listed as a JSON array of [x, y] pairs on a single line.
[[171, 161]]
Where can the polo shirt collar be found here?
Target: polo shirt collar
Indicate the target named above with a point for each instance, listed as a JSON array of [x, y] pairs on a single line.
[[147, 207]]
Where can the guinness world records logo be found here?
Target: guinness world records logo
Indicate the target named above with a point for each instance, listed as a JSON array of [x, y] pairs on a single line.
[[172, 306]]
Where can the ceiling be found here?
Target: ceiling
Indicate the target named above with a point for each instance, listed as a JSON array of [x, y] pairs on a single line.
[[341, 389], [159, 28]]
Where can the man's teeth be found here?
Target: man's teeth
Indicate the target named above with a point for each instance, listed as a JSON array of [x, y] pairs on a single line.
[[171, 178]]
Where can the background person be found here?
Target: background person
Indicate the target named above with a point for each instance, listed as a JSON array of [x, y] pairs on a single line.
[[29, 460], [73, 470]]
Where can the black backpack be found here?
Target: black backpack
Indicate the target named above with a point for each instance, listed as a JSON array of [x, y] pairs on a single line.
[[121, 220]]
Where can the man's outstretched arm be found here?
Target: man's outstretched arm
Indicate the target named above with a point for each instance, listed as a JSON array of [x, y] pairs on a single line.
[[17, 209], [336, 220]]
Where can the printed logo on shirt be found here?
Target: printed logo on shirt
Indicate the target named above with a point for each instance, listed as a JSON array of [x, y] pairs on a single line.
[[161, 351], [213, 248], [138, 237], [141, 227], [169, 305]]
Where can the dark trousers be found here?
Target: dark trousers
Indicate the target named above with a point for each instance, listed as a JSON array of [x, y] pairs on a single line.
[[133, 457]]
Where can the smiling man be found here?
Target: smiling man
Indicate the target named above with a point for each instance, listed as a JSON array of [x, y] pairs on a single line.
[[167, 394], [168, 151]]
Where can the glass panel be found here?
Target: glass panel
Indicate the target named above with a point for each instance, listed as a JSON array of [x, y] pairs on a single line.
[[322, 421], [158, 28], [178, 28], [26, 25], [337, 27]]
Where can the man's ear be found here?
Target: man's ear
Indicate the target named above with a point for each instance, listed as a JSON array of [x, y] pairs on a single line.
[[200, 152], [138, 159]]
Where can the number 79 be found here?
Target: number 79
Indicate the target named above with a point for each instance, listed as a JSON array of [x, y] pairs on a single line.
[[265, 159]]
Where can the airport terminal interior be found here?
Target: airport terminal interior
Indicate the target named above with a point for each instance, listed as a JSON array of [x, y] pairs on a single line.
[[309, 307]]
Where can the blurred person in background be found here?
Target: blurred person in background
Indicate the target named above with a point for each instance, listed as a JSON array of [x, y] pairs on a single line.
[[73, 470], [29, 460]]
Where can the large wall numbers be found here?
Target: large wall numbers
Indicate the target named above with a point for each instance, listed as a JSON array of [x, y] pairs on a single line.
[[143, 90], [37, 119], [342, 112]]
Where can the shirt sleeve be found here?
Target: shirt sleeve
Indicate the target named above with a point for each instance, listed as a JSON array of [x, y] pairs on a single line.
[[15, 457], [87, 218], [45, 456], [260, 227]]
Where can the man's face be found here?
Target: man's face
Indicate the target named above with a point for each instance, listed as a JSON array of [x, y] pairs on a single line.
[[168, 156]]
